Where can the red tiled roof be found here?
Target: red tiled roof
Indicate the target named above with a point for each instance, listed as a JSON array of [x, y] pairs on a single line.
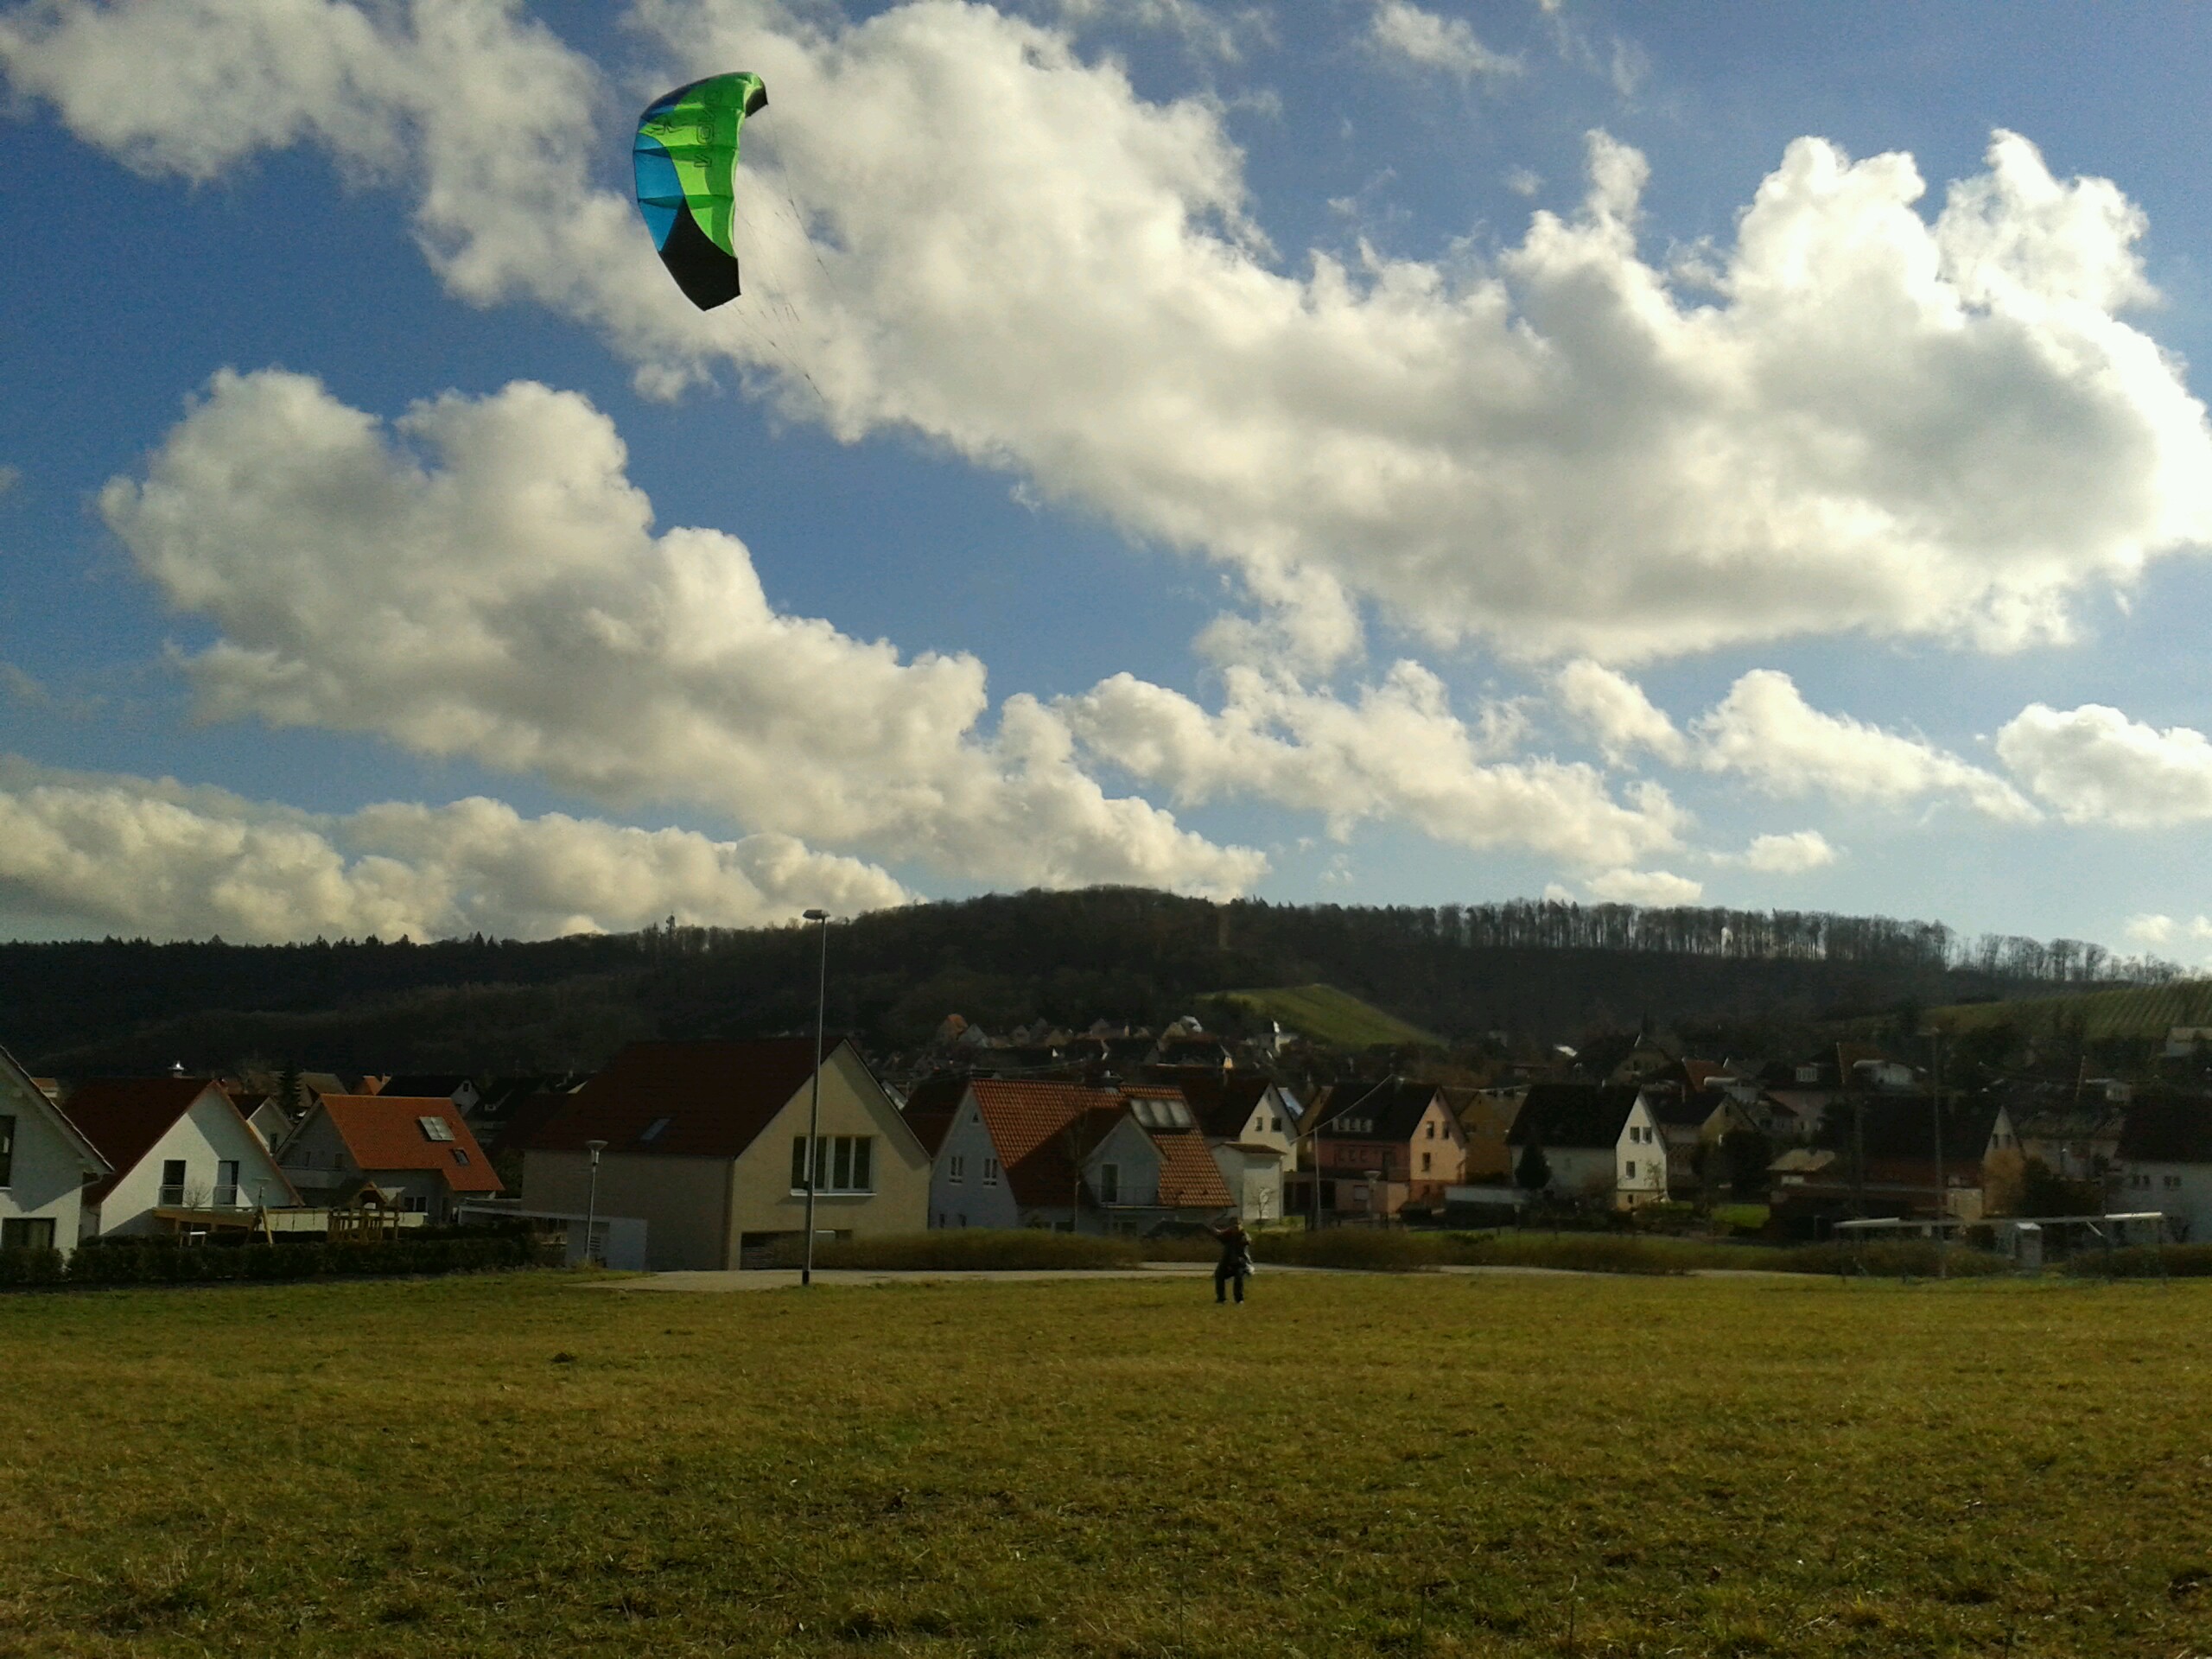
[[717, 1096], [1189, 1178], [125, 1116], [385, 1132], [1029, 1124]]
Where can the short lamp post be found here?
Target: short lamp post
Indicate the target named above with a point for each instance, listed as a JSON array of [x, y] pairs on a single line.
[[814, 1104], [591, 1201]]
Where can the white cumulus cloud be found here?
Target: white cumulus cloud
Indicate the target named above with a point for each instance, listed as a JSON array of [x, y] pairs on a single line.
[[1790, 854], [2093, 765], [1764, 731], [1405, 33], [1396, 751], [1855, 415], [483, 580], [1616, 713], [1643, 888], [153, 858]]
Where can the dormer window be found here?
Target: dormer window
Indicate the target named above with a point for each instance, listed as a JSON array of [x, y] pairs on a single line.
[[654, 1131]]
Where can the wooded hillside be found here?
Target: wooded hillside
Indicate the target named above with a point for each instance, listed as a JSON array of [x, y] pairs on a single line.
[[1541, 969]]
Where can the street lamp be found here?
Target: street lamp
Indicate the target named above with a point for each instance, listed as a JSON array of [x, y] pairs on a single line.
[[814, 1104], [591, 1198]]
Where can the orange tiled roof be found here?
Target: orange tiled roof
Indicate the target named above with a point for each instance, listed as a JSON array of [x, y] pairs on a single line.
[[1189, 1178], [385, 1132], [1029, 1123]]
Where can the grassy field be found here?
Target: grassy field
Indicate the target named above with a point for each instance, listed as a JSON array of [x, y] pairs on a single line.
[[1329, 1015], [1414, 1464]]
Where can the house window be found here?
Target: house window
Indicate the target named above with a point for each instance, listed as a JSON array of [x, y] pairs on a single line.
[[460, 1156], [842, 1163], [1631, 1169], [654, 1131], [7, 1151], [956, 1170], [1109, 1183], [227, 1184], [1431, 1131], [172, 1193], [436, 1128], [2173, 1181], [1424, 1163], [990, 1172], [27, 1233], [415, 1203]]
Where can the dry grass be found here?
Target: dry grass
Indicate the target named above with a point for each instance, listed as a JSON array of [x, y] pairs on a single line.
[[1402, 1464]]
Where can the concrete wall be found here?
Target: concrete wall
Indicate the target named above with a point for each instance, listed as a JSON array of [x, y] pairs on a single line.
[[969, 1201], [47, 1181], [684, 1202], [208, 1131]]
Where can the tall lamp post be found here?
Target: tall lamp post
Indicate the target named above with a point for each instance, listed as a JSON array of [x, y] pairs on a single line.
[[591, 1200], [814, 1105]]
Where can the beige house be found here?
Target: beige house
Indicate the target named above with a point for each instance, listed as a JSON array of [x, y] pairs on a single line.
[[706, 1142]]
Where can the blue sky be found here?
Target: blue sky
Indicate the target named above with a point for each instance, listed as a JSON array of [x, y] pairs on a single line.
[[1363, 452]]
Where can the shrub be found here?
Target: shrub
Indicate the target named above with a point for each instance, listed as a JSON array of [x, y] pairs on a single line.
[[1369, 1248], [165, 1262], [1592, 1252], [2144, 1262], [1897, 1258], [29, 1267], [1026, 1248]]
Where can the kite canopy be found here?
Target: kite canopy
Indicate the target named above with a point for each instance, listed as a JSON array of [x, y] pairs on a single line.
[[685, 154]]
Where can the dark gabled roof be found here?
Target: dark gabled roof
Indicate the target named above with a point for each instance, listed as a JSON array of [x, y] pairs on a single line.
[[1393, 1108], [716, 1097], [519, 1120], [426, 1085], [1903, 1126], [1223, 1102], [1557, 1115], [1674, 1109], [126, 1116], [932, 1106], [2168, 1132]]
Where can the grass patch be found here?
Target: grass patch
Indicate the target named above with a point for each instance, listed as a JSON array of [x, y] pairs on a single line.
[[972, 1247], [1328, 1015], [1447, 1468]]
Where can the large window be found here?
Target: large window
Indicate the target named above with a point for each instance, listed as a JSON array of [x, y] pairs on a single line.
[[1109, 1183], [956, 1169], [227, 1184], [7, 1151], [842, 1163], [172, 1182], [27, 1232]]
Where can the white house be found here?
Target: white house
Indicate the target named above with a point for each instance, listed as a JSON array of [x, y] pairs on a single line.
[[176, 1148], [2164, 1162], [1600, 1144], [1251, 1125], [45, 1162]]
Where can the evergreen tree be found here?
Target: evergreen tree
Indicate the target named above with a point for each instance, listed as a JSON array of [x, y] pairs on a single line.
[[1533, 1173]]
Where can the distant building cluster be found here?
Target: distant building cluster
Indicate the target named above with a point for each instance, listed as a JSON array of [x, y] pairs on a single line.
[[699, 1156]]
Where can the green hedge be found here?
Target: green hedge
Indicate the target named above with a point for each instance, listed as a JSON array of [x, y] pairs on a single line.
[[2144, 1262], [161, 1262], [1901, 1258], [1027, 1249], [30, 1266]]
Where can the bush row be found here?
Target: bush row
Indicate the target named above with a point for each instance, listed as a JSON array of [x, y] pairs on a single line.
[[161, 1262], [2144, 1262], [969, 1248]]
